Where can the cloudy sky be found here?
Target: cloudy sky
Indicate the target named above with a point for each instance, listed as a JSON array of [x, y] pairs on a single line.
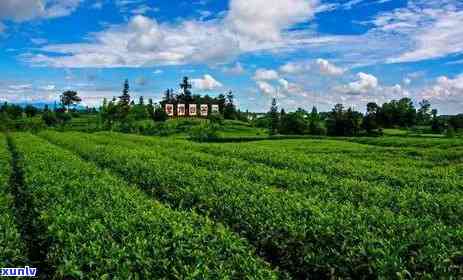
[[304, 52]]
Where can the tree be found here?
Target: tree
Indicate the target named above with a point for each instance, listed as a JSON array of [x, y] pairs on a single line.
[[124, 102], [343, 122], [160, 115], [124, 99], [221, 100], [456, 121], [12, 111], [230, 109], [62, 116], [49, 117], [70, 98], [370, 121], [31, 111], [400, 113], [274, 118], [139, 112], [437, 125], [293, 123], [169, 96], [185, 86], [353, 123], [407, 112], [109, 113], [424, 113]]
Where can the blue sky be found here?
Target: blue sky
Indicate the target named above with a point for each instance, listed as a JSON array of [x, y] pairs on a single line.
[[304, 52]]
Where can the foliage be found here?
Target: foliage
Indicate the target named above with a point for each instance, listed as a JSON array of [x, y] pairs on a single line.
[[456, 121], [31, 111], [400, 113], [274, 118], [123, 106], [229, 111], [70, 98], [12, 248], [138, 112], [160, 115], [384, 228], [343, 122], [216, 119], [62, 116], [49, 118], [294, 123], [204, 132], [99, 227], [450, 132], [370, 120], [12, 111], [424, 113]]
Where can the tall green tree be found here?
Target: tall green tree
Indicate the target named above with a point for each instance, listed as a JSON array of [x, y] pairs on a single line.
[[230, 108], [424, 114], [185, 95], [370, 120], [31, 111], [70, 98], [124, 102], [274, 118], [221, 100]]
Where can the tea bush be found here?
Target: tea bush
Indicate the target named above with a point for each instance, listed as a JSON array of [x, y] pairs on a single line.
[[97, 227]]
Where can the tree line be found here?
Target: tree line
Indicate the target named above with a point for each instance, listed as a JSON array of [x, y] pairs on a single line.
[[124, 113], [342, 121]]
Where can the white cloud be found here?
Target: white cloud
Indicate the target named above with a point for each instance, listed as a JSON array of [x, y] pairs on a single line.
[[266, 88], [284, 84], [48, 88], [432, 29], [248, 26], [144, 42], [294, 68], [327, 68], [141, 81], [23, 10], [266, 75], [264, 20], [158, 72], [20, 87], [366, 83], [237, 69], [446, 89], [143, 9], [39, 41], [207, 83]]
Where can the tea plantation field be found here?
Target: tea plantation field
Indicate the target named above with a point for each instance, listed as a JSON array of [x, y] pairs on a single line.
[[121, 206]]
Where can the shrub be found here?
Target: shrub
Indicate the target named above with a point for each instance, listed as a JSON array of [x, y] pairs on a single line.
[[95, 226], [204, 132], [12, 248], [304, 235]]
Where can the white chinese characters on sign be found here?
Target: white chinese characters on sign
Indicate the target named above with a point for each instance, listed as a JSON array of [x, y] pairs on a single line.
[[181, 109], [193, 110], [215, 109], [204, 110], [170, 110]]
